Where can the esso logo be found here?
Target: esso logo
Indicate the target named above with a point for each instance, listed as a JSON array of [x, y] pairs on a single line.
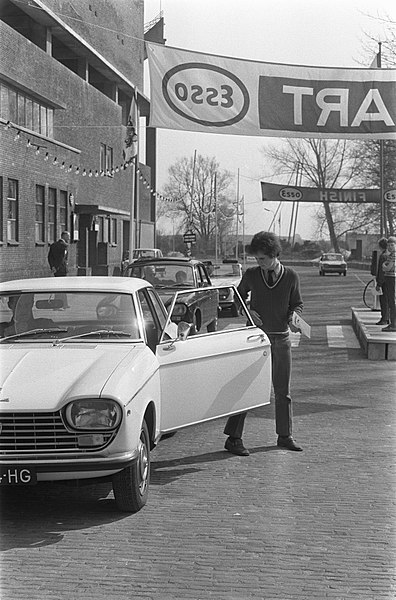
[[390, 195], [214, 99], [290, 193]]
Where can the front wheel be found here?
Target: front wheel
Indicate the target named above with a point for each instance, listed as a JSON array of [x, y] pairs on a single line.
[[131, 485]]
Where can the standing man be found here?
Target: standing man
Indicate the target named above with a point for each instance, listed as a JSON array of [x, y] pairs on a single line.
[[274, 296], [388, 287], [379, 280], [57, 255]]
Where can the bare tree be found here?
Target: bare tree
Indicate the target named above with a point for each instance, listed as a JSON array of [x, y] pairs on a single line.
[[367, 174], [387, 39], [196, 186], [322, 164]]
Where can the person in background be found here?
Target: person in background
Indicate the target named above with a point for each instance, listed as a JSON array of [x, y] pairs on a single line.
[[274, 297], [181, 277], [57, 255], [379, 278], [57, 259], [388, 287]]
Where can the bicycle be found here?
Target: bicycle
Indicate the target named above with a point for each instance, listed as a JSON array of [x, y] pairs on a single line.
[[370, 296]]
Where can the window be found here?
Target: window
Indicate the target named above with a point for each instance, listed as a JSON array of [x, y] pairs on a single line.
[[21, 109], [102, 157], [12, 211], [1, 209], [39, 222], [113, 231], [63, 210], [106, 158], [109, 158], [51, 232]]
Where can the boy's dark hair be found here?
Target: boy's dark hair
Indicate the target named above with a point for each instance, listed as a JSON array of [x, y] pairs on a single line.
[[266, 242], [383, 243]]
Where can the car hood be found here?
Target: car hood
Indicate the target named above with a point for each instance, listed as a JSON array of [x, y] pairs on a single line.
[[47, 377]]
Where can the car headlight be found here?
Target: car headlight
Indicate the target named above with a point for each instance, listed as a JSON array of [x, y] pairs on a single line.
[[93, 414]]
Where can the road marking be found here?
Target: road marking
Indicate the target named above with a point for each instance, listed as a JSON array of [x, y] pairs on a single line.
[[341, 336]]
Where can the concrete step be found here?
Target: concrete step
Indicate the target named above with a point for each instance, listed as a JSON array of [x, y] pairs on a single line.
[[377, 344]]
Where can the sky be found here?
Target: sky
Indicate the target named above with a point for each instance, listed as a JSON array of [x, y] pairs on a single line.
[[302, 32]]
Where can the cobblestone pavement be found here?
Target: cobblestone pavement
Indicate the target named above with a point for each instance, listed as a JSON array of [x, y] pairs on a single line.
[[277, 525]]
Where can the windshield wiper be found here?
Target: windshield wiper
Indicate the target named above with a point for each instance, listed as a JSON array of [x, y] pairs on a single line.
[[98, 332], [32, 332]]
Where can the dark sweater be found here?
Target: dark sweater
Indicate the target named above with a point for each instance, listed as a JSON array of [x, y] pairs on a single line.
[[57, 255], [275, 304]]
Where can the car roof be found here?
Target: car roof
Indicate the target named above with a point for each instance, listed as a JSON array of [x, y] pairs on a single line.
[[146, 249], [165, 259], [84, 283]]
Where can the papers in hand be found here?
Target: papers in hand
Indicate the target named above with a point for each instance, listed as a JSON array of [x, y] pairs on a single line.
[[299, 322]]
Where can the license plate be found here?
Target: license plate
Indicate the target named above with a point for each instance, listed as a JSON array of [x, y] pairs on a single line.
[[17, 476]]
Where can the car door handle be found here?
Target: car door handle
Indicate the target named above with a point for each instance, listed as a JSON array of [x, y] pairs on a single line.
[[257, 337]]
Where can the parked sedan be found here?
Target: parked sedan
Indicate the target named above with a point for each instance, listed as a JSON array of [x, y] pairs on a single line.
[[93, 373], [332, 262], [168, 275], [225, 275]]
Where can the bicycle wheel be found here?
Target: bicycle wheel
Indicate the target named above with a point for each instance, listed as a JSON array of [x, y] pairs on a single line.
[[369, 298]]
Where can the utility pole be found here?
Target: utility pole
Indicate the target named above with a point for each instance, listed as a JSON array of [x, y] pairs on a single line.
[[237, 216], [216, 216], [383, 225]]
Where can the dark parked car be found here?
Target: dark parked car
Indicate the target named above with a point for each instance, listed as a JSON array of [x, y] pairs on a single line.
[[169, 275], [224, 276]]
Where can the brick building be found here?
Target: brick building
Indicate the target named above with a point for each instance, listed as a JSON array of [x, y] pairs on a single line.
[[68, 74]]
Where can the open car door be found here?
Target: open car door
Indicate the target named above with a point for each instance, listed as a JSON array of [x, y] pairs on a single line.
[[216, 374]]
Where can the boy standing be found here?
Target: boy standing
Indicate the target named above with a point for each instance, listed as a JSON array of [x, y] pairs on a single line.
[[274, 297]]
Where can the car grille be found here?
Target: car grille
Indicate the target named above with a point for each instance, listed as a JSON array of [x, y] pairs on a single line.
[[39, 433]]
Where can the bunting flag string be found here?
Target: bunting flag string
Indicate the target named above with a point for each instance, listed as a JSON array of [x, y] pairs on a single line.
[[41, 149]]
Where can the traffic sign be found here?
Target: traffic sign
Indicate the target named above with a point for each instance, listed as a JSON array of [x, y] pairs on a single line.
[[189, 237]]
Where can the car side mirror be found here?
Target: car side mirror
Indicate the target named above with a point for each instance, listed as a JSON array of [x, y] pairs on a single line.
[[183, 329]]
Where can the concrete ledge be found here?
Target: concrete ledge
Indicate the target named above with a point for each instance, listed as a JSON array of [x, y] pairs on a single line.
[[377, 344]]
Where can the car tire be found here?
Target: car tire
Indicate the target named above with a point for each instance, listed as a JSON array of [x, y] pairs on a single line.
[[344, 273], [131, 485]]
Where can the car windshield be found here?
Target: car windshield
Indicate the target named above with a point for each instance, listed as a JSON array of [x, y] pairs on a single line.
[[64, 315], [164, 274], [141, 253], [226, 270], [332, 257]]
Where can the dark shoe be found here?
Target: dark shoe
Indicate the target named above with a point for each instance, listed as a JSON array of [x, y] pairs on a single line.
[[389, 328], [289, 443], [381, 322], [235, 446]]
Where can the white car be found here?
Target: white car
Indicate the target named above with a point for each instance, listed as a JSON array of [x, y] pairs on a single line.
[[332, 262], [93, 373]]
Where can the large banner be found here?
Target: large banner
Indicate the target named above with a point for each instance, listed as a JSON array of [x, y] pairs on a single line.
[[215, 94], [273, 192]]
